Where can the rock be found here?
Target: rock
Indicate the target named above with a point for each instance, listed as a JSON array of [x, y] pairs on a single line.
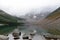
[[2, 37]]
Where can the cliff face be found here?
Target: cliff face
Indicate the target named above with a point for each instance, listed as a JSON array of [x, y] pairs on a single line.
[[52, 22]]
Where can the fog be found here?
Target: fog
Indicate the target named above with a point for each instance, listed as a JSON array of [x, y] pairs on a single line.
[[22, 7]]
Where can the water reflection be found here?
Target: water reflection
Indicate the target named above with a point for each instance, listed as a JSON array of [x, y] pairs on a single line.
[[6, 29], [30, 28]]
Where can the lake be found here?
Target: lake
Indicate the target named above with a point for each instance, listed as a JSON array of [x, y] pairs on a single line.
[[6, 29]]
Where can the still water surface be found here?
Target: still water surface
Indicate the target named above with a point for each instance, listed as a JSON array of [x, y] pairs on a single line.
[[26, 29]]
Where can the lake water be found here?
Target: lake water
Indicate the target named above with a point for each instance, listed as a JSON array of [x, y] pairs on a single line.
[[26, 29], [6, 29]]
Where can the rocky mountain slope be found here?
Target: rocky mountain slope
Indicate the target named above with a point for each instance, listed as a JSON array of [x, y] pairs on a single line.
[[51, 22]]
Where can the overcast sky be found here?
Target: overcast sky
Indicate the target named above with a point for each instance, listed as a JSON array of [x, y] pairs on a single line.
[[21, 7]]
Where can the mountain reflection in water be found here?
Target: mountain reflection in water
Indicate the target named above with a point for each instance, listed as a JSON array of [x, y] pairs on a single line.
[[30, 28], [8, 29]]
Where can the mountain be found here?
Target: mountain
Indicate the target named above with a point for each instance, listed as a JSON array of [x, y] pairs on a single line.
[[8, 19], [9, 23], [52, 22], [34, 17]]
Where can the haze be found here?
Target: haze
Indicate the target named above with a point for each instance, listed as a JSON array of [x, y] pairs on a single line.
[[21, 7]]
